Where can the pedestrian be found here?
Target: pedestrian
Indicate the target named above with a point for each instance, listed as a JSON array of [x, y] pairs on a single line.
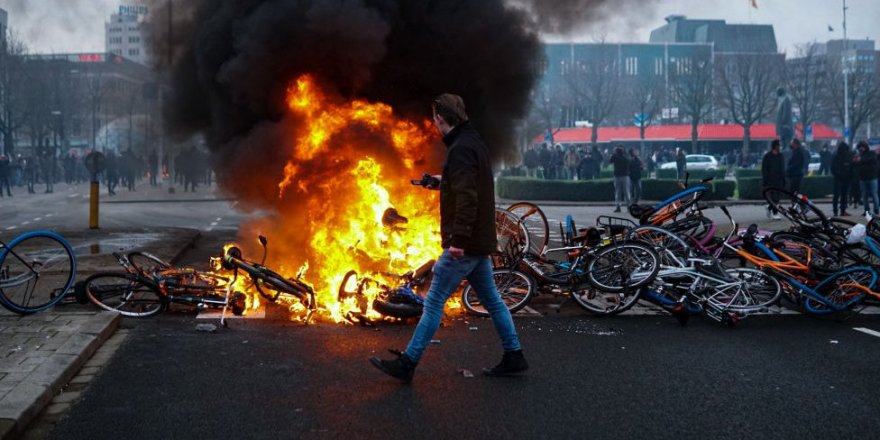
[[5, 174], [30, 173], [796, 166], [153, 162], [597, 160], [865, 163], [111, 171], [635, 175], [773, 174], [621, 177], [680, 164], [841, 169], [824, 161], [544, 162], [571, 164], [467, 228]]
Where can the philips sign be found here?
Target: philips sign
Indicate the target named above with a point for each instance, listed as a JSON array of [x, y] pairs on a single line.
[[132, 10]]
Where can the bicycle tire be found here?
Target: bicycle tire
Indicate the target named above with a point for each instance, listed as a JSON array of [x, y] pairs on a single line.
[[622, 266], [797, 208], [840, 290], [511, 234], [605, 303], [129, 294], [277, 283], [756, 291], [671, 249], [515, 288], [146, 263], [397, 310], [536, 225], [37, 270]]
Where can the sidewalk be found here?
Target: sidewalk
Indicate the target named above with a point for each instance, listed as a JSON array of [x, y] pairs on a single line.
[[40, 353]]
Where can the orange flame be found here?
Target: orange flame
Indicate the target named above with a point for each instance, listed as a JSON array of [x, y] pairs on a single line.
[[346, 232]]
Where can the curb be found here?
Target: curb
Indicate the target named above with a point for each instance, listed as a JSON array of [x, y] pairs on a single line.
[[189, 245], [31, 396], [508, 202], [165, 201]]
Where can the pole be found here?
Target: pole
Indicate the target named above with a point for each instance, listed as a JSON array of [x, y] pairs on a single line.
[[845, 81], [94, 197]]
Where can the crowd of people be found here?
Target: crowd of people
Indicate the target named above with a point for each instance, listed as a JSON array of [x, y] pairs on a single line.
[[126, 169]]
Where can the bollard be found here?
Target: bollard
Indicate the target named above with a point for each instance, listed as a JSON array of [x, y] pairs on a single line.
[[93, 204]]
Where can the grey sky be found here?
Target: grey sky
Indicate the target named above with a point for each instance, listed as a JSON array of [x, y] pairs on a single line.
[[78, 25]]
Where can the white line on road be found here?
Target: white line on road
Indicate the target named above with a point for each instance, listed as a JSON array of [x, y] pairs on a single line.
[[73, 195], [11, 228], [209, 229], [47, 215], [867, 331], [38, 219], [213, 223], [25, 223], [219, 218]]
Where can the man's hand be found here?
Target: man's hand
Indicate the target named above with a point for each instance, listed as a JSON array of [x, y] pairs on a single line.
[[455, 252], [435, 184]]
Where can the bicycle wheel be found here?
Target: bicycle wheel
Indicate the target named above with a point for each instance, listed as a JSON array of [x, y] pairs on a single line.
[[146, 263], [841, 291], [675, 205], [671, 249], [126, 293], [859, 255], [797, 208], [513, 238], [751, 290], [605, 303], [623, 266], [36, 271], [536, 225], [273, 286], [515, 287]]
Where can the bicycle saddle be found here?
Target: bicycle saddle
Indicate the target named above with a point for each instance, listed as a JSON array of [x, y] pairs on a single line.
[[641, 212]]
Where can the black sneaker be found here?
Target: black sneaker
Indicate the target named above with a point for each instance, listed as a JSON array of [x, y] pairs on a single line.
[[512, 363], [401, 368]]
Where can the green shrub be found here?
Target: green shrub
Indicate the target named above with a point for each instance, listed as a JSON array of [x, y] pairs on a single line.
[[521, 188], [693, 176], [750, 188], [661, 189], [816, 187], [746, 172]]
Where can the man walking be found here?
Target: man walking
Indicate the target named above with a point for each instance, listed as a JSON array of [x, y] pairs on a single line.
[[467, 228], [866, 168], [635, 175], [5, 174]]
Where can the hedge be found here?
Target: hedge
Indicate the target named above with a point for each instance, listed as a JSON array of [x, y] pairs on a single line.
[[693, 175], [602, 190], [746, 172], [814, 187]]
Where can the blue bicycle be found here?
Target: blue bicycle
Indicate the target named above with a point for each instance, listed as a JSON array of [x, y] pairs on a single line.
[[37, 270]]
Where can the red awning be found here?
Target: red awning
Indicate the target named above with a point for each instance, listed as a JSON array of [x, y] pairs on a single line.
[[705, 132]]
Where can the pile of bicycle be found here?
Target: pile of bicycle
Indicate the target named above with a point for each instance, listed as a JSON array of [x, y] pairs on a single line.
[[673, 257]]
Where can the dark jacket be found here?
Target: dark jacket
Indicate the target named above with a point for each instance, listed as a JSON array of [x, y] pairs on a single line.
[[635, 168], [467, 193], [866, 167], [773, 169], [841, 166], [621, 165], [796, 163]]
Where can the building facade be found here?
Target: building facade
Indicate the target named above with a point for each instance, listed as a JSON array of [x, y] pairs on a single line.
[[128, 34]]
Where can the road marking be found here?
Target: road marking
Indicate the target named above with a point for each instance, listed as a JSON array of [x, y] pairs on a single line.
[[219, 218], [47, 215], [209, 229], [38, 219], [213, 223], [73, 195], [12, 228], [867, 331], [25, 223]]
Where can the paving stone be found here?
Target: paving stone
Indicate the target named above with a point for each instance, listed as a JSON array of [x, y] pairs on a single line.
[[104, 323], [77, 344], [57, 408], [55, 370], [67, 397], [55, 342], [81, 379], [89, 371], [24, 401]]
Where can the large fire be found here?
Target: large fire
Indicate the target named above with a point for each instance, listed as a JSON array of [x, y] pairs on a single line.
[[343, 229]]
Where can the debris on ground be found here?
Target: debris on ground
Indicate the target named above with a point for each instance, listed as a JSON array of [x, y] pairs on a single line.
[[208, 328]]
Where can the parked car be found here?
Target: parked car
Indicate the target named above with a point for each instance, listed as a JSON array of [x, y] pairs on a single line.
[[815, 163], [695, 162]]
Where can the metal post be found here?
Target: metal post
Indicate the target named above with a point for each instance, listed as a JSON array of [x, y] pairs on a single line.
[[845, 81], [94, 198]]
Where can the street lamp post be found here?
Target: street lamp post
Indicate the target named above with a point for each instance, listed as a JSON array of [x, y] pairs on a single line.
[[846, 130]]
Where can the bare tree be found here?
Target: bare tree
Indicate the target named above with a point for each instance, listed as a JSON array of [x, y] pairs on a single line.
[[748, 83], [547, 111], [644, 96], [94, 89], [804, 80], [864, 94], [692, 91], [13, 80], [595, 84]]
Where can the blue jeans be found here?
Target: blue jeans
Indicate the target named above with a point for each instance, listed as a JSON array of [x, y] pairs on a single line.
[[869, 189], [448, 273]]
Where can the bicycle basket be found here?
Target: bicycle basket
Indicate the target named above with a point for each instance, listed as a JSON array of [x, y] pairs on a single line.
[[615, 225]]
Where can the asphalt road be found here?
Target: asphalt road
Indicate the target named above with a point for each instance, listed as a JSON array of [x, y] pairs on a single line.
[[780, 376]]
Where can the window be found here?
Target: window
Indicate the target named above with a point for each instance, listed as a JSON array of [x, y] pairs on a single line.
[[134, 52], [632, 66], [134, 39], [659, 64]]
